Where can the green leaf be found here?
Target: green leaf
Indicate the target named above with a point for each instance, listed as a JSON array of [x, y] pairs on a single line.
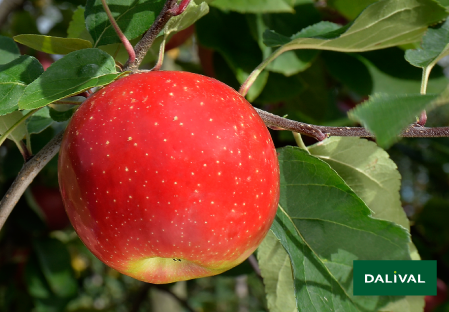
[[54, 260], [192, 13], [53, 45], [291, 62], [39, 121], [8, 50], [7, 121], [384, 24], [218, 31], [370, 173], [134, 17], [76, 72], [435, 46], [254, 6], [349, 8], [14, 77], [374, 177], [77, 26], [64, 115], [386, 116], [35, 279], [276, 270], [324, 226]]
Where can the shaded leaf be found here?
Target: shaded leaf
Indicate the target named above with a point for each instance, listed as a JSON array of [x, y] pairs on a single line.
[[14, 77], [218, 31], [54, 260], [383, 24], [134, 17], [53, 45], [39, 121], [35, 279], [7, 121], [76, 72], [61, 116], [386, 116], [77, 26], [349, 8], [8, 50], [254, 6]]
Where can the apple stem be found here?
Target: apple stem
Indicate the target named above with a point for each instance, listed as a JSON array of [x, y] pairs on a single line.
[[170, 9], [26, 175], [129, 48]]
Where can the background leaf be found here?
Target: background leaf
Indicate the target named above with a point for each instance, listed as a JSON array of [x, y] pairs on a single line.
[[74, 73], [371, 30], [8, 50], [39, 121], [254, 6], [134, 17], [53, 45], [218, 30], [54, 260], [14, 78]]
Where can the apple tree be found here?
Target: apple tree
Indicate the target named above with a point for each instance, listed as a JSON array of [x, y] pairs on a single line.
[[169, 175]]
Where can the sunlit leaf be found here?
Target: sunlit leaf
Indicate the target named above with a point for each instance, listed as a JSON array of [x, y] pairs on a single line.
[[254, 6], [53, 45], [383, 24], [74, 73]]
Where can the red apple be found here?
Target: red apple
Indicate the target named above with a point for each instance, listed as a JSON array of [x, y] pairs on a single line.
[[169, 176]]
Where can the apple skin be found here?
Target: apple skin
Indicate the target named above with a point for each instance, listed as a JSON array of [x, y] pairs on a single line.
[[169, 176]]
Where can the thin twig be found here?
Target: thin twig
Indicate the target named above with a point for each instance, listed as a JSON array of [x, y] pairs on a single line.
[[129, 48], [169, 10], [253, 261], [26, 176]]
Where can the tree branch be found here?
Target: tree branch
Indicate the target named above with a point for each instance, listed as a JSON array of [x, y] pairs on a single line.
[[169, 10], [26, 176], [321, 132]]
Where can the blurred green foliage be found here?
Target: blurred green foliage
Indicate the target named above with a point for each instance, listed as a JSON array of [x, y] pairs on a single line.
[[47, 269]]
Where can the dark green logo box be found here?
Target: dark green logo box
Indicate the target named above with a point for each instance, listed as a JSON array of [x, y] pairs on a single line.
[[395, 278]]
